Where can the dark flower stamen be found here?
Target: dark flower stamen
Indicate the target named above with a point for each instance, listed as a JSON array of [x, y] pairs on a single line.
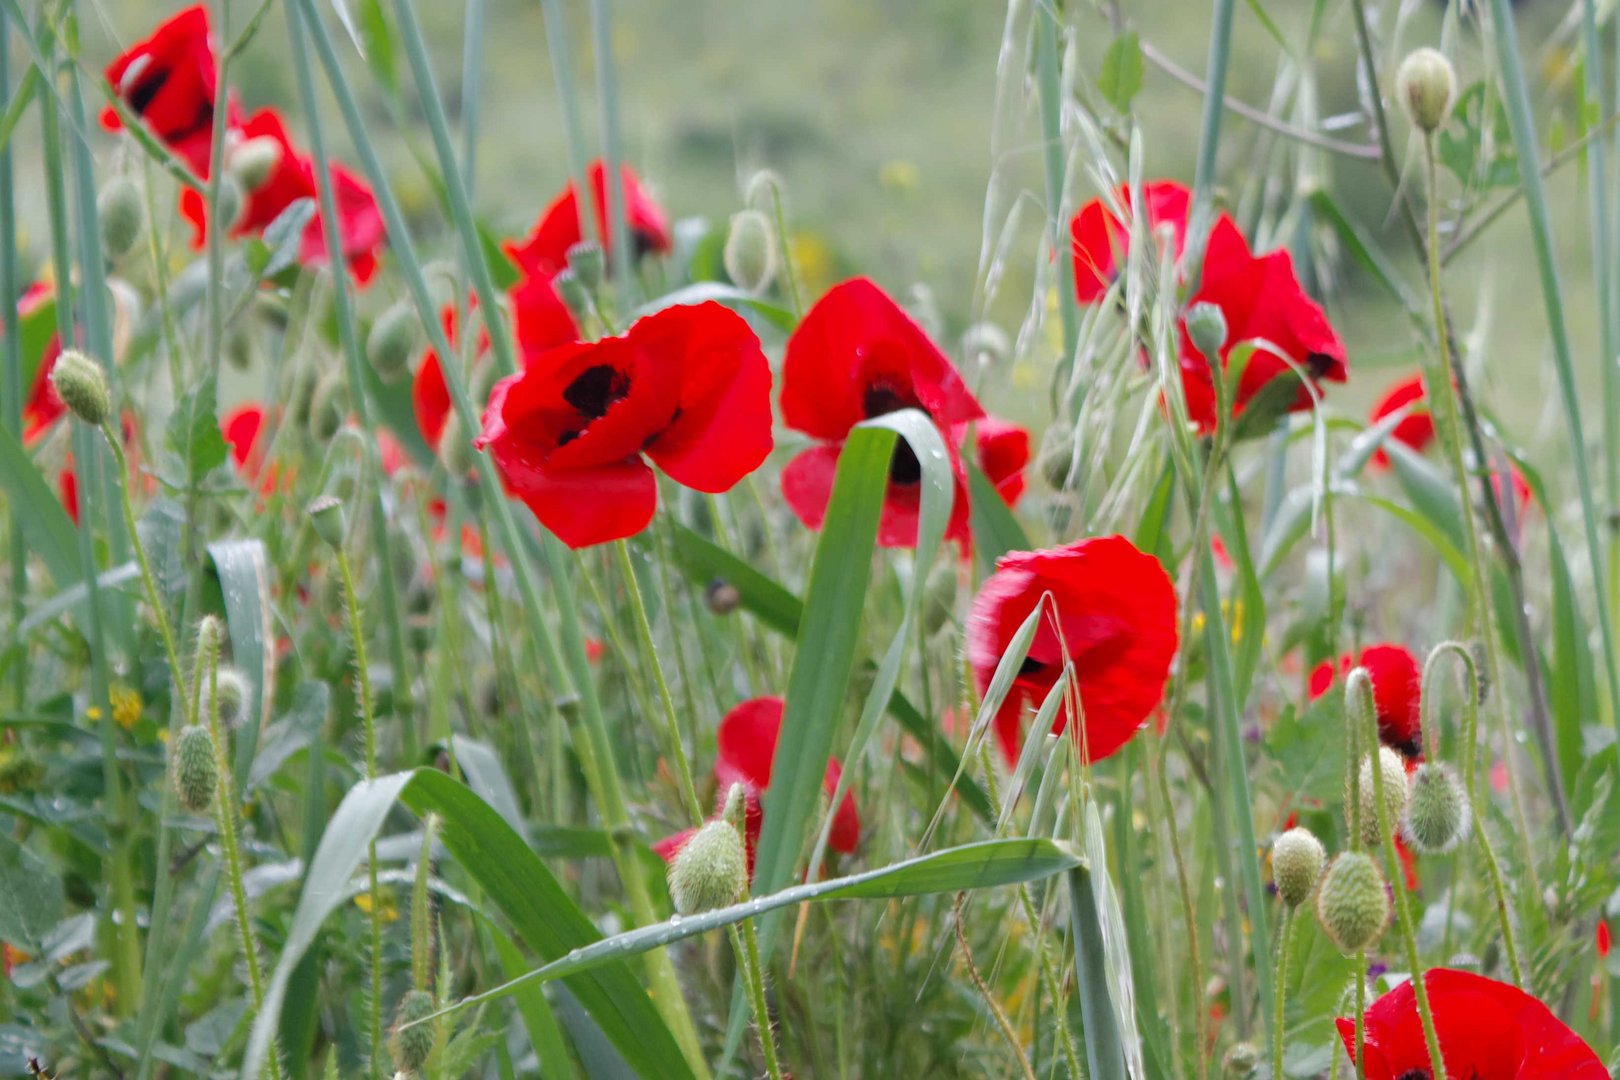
[[595, 390]]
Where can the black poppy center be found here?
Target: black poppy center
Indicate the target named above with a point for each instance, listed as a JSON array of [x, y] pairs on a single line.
[[595, 389], [881, 399], [1030, 666], [144, 90]]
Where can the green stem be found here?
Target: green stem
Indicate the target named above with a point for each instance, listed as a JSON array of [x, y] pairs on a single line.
[[1289, 918], [1360, 1061], [1056, 168], [755, 978]]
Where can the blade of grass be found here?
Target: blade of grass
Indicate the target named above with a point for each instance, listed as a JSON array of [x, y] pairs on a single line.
[[615, 210]]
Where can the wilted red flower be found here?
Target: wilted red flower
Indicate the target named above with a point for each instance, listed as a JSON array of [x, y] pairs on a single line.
[[746, 747], [545, 251], [42, 407], [1116, 608], [360, 222], [1487, 1031], [857, 355], [1100, 239], [169, 81], [1397, 690], [1416, 429], [688, 387], [1002, 451]]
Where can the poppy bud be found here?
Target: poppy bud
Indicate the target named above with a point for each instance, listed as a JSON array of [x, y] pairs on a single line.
[[122, 217], [1437, 814], [230, 201], [986, 343], [1242, 1060], [328, 407], [573, 292], [750, 253], [1426, 85], [82, 386], [239, 349], [1353, 902], [391, 341], [764, 189], [721, 597], [1206, 326], [193, 771], [230, 696], [455, 447], [585, 259], [1296, 862], [412, 1045], [1056, 458], [1394, 778], [254, 160], [326, 516], [711, 869]]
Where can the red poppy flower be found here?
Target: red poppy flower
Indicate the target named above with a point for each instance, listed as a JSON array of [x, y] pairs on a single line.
[[1603, 940], [360, 222], [67, 489], [545, 251], [169, 81], [1116, 608], [1003, 454], [746, 748], [1416, 430], [688, 387], [243, 427], [1397, 687], [42, 407], [1487, 1031], [1100, 238], [857, 355]]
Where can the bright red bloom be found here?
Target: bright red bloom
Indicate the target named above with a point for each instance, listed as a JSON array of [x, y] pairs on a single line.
[[1397, 691], [360, 222], [545, 251], [1603, 940], [1002, 453], [42, 407], [169, 81], [243, 427], [1100, 239], [746, 748], [1416, 430], [688, 387], [1116, 608], [67, 489], [1487, 1031], [857, 355]]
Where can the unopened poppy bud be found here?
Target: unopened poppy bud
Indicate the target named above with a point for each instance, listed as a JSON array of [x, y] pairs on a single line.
[[194, 771], [1242, 1060], [750, 253], [986, 343], [1056, 458], [1206, 326], [326, 517], [1437, 814], [253, 161], [1352, 903], [721, 597], [230, 201], [230, 694], [585, 259], [328, 408], [764, 188], [412, 1044], [391, 341], [1296, 862], [121, 215], [573, 292], [711, 869], [456, 447], [1394, 780], [1426, 85], [82, 386]]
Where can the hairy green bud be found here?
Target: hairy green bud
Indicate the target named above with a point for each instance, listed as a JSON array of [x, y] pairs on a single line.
[[193, 769], [587, 262], [750, 255], [1437, 814], [327, 518], [1426, 85], [82, 386], [1297, 857], [1206, 325], [1352, 903], [391, 341], [121, 214], [254, 160], [1394, 779], [711, 869], [412, 1045], [231, 698]]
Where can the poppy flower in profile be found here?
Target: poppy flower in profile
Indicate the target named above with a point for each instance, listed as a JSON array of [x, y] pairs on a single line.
[[854, 356], [169, 81], [42, 407], [1002, 454], [746, 747], [1100, 238], [360, 222], [1416, 429], [1116, 609], [545, 250], [243, 428], [1487, 1030], [1397, 693], [688, 387]]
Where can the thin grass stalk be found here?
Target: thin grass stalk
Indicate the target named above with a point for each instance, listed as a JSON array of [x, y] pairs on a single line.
[[1602, 241], [472, 88], [616, 210], [1209, 140], [1055, 159], [11, 390], [562, 70]]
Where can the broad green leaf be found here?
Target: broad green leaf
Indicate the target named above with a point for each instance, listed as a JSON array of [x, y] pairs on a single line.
[[37, 511], [244, 582], [31, 900], [1122, 71], [193, 434]]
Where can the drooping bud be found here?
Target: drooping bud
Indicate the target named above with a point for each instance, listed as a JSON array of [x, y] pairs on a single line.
[[329, 407], [750, 254], [1056, 459], [1206, 326], [1242, 1060], [1296, 864], [194, 771], [232, 697], [1426, 85], [1394, 781], [82, 386], [253, 161], [573, 292], [585, 259], [721, 597], [1352, 903], [122, 217], [1437, 813], [326, 517], [412, 1044], [711, 869], [392, 340]]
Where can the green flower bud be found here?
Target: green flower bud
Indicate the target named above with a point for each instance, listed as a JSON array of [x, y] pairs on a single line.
[[254, 160], [456, 447], [1242, 1060], [193, 769], [763, 190], [122, 217], [1394, 777], [210, 634], [391, 341], [1426, 85], [750, 254], [711, 869], [412, 1045], [1056, 459], [326, 516], [573, 292], [1352, 903], [1296, 863], [721, 597], [82, 386], [585, 259], [1206, 325], [1437, 814], [232, 697], [328, 408]]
